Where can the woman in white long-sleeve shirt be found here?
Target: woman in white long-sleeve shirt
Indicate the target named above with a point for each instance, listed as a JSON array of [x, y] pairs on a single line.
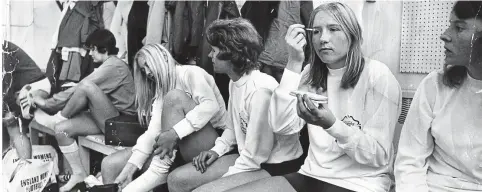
[[440, 145], [351, 135], [185, 104], [236, 47]]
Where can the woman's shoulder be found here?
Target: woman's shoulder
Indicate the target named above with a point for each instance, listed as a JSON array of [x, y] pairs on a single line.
[[375, 71]]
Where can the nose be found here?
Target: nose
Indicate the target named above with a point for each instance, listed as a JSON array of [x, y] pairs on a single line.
[[445, 36], [324, 37], [90, 53]]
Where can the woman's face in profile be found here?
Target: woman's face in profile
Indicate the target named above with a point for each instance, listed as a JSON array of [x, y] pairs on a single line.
[[141, 62], [330, 42], [462, 41]]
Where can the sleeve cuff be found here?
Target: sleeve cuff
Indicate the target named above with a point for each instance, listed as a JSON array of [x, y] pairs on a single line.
[[183, 128], [219, 149], [340, 131], [138, 159], [290, 80]]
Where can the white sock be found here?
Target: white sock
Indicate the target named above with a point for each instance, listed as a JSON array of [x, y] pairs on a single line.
[[155, 175], [71, 153]]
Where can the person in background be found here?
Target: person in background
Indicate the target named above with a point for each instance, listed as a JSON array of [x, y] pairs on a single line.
[[350, 135], [440, 145], [107, 92], [235, 49], [21, 77], [185, 106]]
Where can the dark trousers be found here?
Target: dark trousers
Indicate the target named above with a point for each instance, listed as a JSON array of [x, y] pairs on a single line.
[[303, 183]]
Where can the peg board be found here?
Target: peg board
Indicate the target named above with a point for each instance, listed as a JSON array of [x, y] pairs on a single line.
[[422, 24]]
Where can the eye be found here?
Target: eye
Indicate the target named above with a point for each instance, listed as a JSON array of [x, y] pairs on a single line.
[[334, 29], [316, 31], [458, 28]]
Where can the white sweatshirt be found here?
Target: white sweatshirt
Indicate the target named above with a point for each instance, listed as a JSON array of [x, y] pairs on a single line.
[[356, 152], [249, 128], [440, 145], [211, 108]]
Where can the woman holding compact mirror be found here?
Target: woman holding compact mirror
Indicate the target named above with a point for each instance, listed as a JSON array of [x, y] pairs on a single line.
[[351, 134]]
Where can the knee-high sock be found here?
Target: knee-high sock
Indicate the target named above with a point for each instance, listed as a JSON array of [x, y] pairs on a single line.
[[71, 153], [155, 175]]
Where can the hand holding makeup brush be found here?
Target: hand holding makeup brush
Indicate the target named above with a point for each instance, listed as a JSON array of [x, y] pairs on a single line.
[[296, 40]]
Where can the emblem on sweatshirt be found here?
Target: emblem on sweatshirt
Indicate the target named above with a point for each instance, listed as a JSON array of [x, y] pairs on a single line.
[[352, 122], [243, 120]]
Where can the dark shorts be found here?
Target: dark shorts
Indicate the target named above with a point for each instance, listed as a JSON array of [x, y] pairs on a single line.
[[284, 167], [303, 183]]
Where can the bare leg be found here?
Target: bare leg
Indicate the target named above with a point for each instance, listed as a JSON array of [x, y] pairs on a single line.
[[176, 105], [81, 124], [88, 94], [187, 178], [274, 184], [20, 141], [113, 164], [232, 181]]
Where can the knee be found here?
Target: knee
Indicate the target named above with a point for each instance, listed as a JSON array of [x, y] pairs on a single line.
[[178, 181], [63, 129], [110, 164], [176, 97], [87, 86]]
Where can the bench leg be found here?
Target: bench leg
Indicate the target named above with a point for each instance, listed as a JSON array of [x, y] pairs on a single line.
[[34, 136], [85, 158]]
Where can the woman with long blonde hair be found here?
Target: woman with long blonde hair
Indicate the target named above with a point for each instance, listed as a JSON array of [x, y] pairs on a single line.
[[181, 105], [351, 134]]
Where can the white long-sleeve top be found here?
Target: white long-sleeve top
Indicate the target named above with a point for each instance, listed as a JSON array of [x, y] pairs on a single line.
[[356, 152], [440, 145], [210, 108], [249, 127]]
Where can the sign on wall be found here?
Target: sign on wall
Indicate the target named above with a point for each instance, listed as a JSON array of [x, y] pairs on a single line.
[[422, 24]]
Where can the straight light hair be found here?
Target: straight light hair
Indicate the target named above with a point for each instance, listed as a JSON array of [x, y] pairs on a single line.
[[163, 68], [354, 59]]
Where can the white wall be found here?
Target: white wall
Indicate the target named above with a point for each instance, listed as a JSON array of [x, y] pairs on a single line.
[[32, 25]]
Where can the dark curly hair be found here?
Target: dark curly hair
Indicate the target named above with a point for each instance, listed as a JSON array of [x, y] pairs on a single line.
[[238, 42], [104, 40]]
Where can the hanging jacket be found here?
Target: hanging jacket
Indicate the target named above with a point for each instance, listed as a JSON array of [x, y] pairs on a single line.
[[118, 27], [289, 12], [261, 15], [79, 22]]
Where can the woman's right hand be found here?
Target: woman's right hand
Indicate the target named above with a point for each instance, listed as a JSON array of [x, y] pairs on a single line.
[[125, 177], [296, 40]]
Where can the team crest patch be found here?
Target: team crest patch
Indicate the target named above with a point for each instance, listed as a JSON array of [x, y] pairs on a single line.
[[352, 122]]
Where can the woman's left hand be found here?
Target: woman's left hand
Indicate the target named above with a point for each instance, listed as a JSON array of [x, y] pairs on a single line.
[[316, 115], [165, 143]]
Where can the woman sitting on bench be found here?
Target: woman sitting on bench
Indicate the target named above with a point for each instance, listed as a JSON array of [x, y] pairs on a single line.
[[185, 105], [106, 92]]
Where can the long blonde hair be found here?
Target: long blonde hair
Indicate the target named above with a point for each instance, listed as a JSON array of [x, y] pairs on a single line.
[[354, 59], [163, 68]]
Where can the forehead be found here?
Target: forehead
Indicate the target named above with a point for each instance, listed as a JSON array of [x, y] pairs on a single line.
[[324, 18]]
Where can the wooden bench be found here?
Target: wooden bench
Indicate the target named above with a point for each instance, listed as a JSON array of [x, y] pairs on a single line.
[[86, 143]]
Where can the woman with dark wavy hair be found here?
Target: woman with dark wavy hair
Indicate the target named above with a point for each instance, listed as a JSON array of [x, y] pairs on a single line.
[[440, 145], [236, 47], [351, 133]]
